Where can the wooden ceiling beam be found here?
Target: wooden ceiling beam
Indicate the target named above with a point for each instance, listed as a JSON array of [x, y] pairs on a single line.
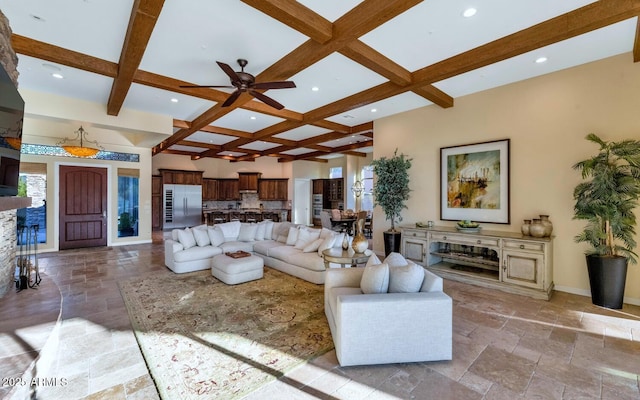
[[566, 26], [296, 16], [435, 95], [287, 159], [144, 15], [48, 52], [377, 62], [341, 149], [334, 126], [364, 127]]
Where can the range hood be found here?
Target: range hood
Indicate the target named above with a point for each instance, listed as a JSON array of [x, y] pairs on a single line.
[[248, 182]]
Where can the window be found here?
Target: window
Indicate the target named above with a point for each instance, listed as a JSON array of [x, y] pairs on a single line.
[[32, 221], [335, 172], [367, 195], [128, 200]]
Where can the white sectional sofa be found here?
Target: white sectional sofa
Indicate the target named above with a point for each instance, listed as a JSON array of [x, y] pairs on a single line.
[[295, 250], [369, 325]]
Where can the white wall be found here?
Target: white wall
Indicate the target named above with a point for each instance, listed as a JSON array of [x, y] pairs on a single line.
[[546, 119]]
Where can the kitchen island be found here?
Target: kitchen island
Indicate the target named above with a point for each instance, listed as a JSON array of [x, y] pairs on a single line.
[[215, 216]]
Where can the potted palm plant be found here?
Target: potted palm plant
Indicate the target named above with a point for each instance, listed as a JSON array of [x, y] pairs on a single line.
[[606, 199], [390, 192]]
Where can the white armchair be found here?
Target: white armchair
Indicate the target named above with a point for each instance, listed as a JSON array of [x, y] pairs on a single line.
[[388, 327]]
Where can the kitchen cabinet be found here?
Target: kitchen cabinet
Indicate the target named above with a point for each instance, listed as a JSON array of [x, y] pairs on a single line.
[[506, 261], [248, 182], [336, 189], [332, 191], [318, 186], [273, 189], [179, 177], [228, 189], [156, 202], [209, 189]]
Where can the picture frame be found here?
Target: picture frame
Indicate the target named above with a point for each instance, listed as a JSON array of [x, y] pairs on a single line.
[[474, 182]]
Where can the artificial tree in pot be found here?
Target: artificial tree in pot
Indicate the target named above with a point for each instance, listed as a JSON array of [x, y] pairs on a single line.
[[391, 191], [606, 200]]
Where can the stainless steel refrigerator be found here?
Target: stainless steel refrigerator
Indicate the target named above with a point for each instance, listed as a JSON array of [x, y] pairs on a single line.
[[182, 205]]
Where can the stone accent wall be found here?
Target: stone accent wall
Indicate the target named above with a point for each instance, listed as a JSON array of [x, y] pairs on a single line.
[[9, 61]]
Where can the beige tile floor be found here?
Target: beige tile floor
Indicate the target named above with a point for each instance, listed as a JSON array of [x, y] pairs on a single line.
[[504, 346]]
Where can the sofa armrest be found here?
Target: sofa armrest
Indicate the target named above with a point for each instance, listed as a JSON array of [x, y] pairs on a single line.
[[343, 277], [393, 327], [171, 247]]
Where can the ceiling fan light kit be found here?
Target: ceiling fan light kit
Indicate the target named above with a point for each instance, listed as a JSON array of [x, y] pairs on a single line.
[[244, 82]]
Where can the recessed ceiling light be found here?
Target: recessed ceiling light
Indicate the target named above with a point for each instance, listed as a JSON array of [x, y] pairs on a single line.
[[315, 88], [174, 100], [57, 75], [374, 110], [469, 12], [540, 60], [252, 117]]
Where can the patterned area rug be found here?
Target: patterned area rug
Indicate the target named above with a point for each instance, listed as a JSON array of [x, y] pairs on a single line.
[[204, 339]]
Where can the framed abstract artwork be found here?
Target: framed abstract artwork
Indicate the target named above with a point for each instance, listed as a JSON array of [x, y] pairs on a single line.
[[474, 182]]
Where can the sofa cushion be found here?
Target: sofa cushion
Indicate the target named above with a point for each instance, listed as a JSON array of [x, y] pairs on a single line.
[[313, 246], [309, 261], [306, 236], [186, 239], [395, 260], [282, 253], [247, 232], [406, 279], [235, 245], [275, 232], [201, 236], [196, 253], [230, 230], [264, 247], [216, 237], [324, 233], [375, 279]]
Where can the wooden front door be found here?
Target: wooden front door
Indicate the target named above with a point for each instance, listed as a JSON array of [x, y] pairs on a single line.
[[83, 207]]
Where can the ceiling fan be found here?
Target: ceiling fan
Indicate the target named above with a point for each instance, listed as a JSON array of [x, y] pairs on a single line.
[[245, 82]]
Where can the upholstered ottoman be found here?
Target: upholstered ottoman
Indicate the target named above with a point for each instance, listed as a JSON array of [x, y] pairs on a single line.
[[236, 270]]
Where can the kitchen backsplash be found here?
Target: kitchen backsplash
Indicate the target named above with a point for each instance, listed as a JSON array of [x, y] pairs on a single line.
[[249, 200]]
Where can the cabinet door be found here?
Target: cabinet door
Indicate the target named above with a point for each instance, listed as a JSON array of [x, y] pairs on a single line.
[[156, 185], [415, 249], [209, 189], [523, 268], [156, 212], [281, 189], [318, 186]]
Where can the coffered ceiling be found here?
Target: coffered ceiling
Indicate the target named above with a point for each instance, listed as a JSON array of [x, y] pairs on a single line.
[[352, 61]]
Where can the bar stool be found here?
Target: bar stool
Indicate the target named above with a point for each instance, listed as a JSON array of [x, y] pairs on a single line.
[[218, 217], [250, 216]]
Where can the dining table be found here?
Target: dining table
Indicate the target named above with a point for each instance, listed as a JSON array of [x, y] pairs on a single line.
[[345, 223]]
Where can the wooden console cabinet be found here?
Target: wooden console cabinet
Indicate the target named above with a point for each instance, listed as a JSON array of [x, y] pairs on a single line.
[[506, 261]]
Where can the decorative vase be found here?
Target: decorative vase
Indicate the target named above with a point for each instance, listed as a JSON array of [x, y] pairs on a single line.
[[525, 227], [548, 226], [359, 242], [345, 241], [536, 229]]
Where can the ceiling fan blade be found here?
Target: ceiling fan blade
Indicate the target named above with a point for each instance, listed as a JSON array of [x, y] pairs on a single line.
[[206, 86], [266, 99], [229, 71], [234, 96], [274, 85]]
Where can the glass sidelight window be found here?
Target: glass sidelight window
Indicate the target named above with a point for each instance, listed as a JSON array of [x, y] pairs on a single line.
[[128, 201], [32, 221]]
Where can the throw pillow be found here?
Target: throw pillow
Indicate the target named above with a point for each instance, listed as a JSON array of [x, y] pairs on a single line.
[[292, 237], [268, 230], [313, 233], [304, 238], [313, 246], [275, 231], [230, 230], [215, 236], [325, 233], [375, 279], [260, 230], [247, 232], [185, 237], [395, 260], [327, 243], [338, 240], [407, 279], [201, 236], [373, 260]]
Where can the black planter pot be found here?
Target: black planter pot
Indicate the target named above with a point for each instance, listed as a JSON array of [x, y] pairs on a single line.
[[607, 277], [391, 242]]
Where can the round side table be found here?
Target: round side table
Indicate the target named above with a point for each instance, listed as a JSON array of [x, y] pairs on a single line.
[[345, 257]]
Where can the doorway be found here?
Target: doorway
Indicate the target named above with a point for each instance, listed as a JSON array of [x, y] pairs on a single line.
[[302, 202], [83, 207]]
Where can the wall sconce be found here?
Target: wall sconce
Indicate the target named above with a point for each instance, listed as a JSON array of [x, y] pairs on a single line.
[[80, 151], [357, 188]]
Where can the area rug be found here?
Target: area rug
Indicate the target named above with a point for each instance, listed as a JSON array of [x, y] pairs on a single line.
[[204, 339]]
